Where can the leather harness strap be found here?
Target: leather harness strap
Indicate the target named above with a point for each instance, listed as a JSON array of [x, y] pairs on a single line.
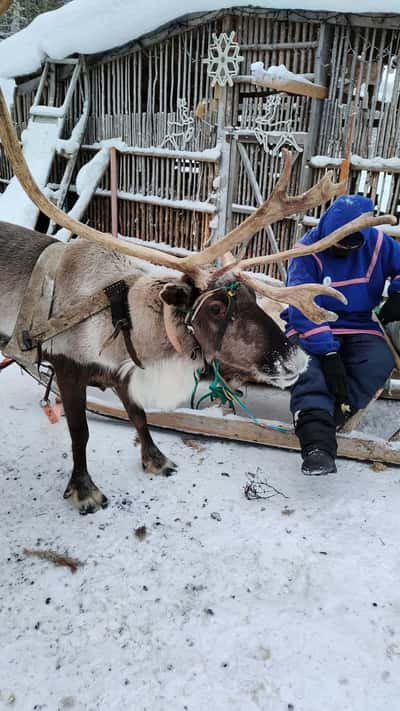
[[35, 324], [36, 306], [117, 294], [230, 290]]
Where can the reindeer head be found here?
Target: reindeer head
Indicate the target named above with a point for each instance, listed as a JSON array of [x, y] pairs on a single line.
[[219, 304], [227, 324]]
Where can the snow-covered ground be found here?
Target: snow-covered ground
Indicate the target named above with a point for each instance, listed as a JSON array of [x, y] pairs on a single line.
[[285, 604]]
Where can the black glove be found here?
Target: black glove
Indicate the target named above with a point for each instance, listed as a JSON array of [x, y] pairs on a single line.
[[335, 376], [390, 311]]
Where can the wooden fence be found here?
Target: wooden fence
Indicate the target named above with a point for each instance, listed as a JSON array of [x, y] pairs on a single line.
[[156, 95]]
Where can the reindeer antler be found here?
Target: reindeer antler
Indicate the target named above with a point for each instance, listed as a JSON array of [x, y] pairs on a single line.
[[302, 296], [276, 207], [21, 170], [359, 223], [4, 5]]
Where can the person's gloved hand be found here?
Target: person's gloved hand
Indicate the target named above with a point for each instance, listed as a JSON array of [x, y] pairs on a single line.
[[390, 311], [335, 376]]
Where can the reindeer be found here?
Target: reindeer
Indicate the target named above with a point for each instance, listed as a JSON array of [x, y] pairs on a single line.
[[184, 311]]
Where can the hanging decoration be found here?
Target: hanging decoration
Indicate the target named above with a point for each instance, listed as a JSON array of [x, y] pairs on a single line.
[[181, 130], [266, 125], [223, 59]]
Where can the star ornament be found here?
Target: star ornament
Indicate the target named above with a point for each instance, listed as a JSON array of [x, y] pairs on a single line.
[[223, 59]]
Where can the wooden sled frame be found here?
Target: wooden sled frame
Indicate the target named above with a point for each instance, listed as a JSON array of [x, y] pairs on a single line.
[[353, 445]]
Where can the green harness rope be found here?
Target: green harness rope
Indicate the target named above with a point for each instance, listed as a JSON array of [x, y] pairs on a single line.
[[220, 390]]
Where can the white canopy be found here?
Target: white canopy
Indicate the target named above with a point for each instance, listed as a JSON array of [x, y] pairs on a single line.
[[90, 26]]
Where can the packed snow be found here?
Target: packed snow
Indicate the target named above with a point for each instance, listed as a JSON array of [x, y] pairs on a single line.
[[87, 181], [356, 161], [275, 73], [89, 26], [7, 86], [68, 146], [284, 603], [39, 142]]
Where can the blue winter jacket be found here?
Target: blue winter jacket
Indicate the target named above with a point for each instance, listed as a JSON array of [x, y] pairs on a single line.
[[360, 276]]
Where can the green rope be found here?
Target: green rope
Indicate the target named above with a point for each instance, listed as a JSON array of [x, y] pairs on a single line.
[[220, 390]]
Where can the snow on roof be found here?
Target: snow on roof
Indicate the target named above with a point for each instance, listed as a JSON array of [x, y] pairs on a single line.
[[90, 26]]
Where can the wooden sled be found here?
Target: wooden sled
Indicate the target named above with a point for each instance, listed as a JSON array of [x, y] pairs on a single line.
[[352, 445]]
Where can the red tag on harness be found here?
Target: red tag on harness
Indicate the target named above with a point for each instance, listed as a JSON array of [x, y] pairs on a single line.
[[5, 363], [52, 412]]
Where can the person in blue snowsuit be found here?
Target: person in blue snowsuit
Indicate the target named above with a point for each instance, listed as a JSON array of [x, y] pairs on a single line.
[[349, 358]]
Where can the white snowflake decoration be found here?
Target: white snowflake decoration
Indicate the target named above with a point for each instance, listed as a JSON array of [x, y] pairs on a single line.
[[223, 59], [265, 124], [180, 132]]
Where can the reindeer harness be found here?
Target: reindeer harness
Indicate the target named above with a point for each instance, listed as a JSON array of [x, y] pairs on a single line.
[[230, 290], [36, 323]]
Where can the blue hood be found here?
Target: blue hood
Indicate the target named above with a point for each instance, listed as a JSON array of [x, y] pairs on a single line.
[[345, 209]]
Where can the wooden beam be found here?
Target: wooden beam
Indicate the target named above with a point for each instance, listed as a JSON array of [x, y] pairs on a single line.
[[191, 205], [262, 47], [293, 86], [354, 446], [209, 155], [372, 165]]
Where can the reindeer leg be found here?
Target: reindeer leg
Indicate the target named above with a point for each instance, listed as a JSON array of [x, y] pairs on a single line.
[[153, 461], [82, 491]]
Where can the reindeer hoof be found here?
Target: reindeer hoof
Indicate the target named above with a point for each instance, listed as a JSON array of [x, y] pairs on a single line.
[[85, 496], [157, 463]]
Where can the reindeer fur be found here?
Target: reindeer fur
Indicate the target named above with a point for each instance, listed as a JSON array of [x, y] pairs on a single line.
[[158, 301]]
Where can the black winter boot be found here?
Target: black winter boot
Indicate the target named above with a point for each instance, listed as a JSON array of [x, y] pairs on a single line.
[[317, 463], [317, 434]]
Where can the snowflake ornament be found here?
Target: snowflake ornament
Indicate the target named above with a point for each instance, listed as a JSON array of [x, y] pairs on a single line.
[[223, 59]]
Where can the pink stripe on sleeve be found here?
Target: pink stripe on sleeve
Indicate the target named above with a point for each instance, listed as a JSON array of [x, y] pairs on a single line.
[[314, 331], [317, 259], [375, 254], [350, 331]]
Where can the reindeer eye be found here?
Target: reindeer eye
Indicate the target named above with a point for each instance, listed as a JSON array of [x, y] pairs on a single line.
[[216, 308]]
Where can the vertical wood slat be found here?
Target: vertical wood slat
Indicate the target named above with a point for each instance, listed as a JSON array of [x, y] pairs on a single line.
[[114, 189]]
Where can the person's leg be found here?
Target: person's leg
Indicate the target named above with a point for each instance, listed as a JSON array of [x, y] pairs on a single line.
[[368, 362], [312, 407]]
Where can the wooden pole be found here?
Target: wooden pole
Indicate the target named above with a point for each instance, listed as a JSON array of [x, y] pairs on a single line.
[[114, 190], [391, 346], [354, 109]]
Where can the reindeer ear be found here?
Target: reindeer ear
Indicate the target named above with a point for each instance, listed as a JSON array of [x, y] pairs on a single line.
[[179, 294]]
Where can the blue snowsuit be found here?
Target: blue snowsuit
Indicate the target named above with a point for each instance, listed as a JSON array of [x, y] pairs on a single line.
[[361, 277]]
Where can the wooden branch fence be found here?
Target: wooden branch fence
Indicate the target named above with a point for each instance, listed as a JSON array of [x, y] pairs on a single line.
[[184, 188]]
